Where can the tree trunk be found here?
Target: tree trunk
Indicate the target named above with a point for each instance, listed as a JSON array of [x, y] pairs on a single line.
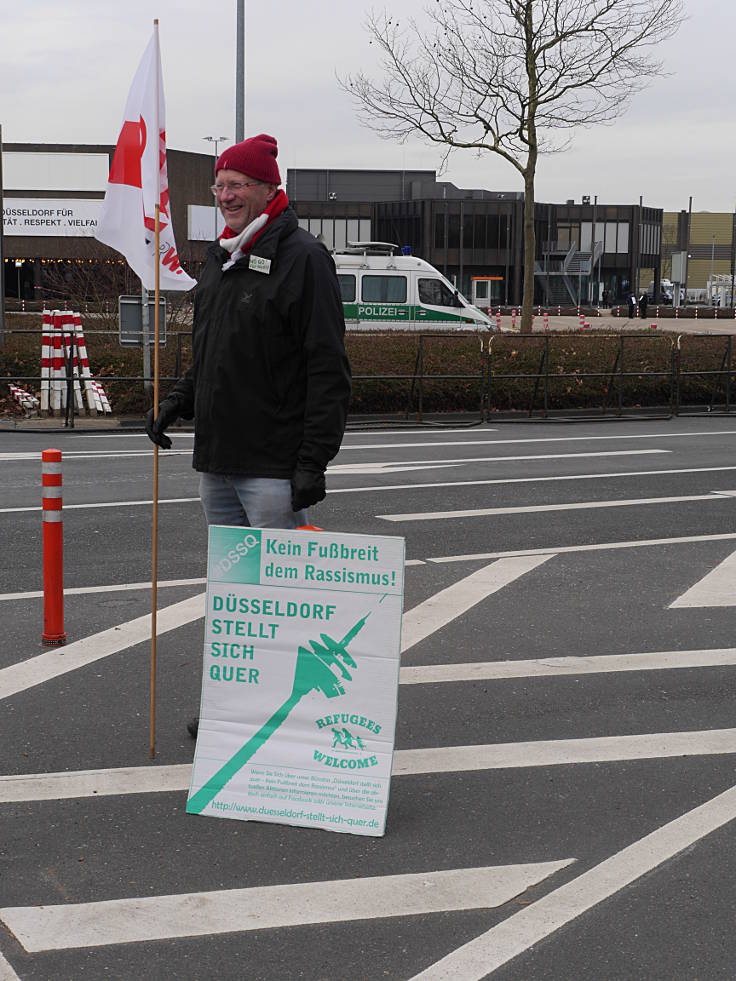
[[530, 244], [530, 247]]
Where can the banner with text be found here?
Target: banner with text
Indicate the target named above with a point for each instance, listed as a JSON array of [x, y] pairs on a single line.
[[300, 678], [63, 217]]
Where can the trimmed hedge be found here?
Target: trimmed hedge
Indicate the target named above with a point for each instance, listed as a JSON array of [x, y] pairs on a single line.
[[395, 372]]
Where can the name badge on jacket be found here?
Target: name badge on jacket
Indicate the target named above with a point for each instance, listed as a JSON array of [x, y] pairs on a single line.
[[259, 264]]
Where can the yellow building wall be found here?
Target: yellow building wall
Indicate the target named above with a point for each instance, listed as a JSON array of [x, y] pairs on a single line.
[[707, 225], [706, 229]]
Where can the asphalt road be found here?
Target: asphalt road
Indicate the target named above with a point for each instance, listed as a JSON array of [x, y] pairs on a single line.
[[573, 727]]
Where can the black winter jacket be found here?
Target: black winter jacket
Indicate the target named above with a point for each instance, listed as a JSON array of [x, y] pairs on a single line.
[[270, 380]]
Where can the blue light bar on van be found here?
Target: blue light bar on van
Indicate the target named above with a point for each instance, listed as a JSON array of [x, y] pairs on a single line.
[[406, 250]]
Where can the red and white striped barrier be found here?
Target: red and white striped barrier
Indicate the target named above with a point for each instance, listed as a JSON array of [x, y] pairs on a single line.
[[559, 311], [546, 320], [26, 400], [513, 319], [100, 396], [64, 356], [652, 326], [53, 550], [498, 319], [46, 345], [58, 388]]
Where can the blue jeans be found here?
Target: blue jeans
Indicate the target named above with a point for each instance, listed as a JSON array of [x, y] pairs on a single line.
[[258, 502]]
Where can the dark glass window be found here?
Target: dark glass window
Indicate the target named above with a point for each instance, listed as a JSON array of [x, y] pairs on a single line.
[[436, 293], [384, 289], [347, 288], [491, 231], [468, 231], [503, 229], [453, 234], [439, 231]]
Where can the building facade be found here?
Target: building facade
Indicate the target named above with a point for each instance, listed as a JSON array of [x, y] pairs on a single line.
[[584, 252], [708, 239], [51, 197]]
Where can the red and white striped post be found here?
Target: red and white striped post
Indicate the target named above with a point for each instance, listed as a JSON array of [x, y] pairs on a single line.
[[53, 550]]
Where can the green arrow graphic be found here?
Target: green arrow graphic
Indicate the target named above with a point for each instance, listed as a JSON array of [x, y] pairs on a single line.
[[323, 669]]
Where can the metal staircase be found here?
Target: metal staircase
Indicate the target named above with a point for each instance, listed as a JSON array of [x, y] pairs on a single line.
[[560, 272]]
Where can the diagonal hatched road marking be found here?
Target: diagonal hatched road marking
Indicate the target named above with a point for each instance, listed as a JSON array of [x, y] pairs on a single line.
[[149, 918]]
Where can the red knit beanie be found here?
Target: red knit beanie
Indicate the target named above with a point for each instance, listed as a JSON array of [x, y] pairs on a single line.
[[254, 157]]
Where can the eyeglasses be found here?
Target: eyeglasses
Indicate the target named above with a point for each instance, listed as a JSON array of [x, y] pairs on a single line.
[[233, 186]]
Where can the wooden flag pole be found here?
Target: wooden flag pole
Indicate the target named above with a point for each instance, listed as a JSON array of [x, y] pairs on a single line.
[[154, 557]]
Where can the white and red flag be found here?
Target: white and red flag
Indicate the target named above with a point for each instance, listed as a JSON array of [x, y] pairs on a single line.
[[138, 181]]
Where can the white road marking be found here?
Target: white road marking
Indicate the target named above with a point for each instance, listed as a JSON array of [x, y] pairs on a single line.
[[6, 971], [350, 434], [598, 547], [372, 488], [385, 466], [124, 781], [718, 588], [147, 918], [122, 587], [89, 455], [51, 664], [558, 667], [535, 508], [542, 439], [174, 433], [106, 504], [562, 752], [520, 931], [369, 469], [452, 602], [117, 588]]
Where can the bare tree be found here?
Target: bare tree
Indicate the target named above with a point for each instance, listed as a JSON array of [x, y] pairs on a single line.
[[512, 77]]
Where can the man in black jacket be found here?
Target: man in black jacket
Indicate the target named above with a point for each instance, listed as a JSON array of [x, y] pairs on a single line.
[[270, 381]]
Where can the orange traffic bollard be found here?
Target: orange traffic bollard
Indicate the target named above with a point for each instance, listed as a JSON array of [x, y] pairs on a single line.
[[53, 550]]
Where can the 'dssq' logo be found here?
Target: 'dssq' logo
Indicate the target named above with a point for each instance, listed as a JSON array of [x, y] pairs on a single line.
[[241, 550]]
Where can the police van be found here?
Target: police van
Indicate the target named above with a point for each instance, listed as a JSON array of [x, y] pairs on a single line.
[[382, 288]]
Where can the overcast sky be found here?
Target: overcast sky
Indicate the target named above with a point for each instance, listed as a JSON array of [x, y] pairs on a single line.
[[65, 70]]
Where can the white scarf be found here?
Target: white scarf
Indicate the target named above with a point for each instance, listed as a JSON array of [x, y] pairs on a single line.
[[235, 244]]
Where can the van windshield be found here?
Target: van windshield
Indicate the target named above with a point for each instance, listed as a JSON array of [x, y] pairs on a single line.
[[435, 293]]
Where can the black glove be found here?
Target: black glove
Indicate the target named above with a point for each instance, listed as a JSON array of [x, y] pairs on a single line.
[[307, 487], [168, 412]]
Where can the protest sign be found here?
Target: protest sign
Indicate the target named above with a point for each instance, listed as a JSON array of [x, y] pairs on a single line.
[[300, 678]]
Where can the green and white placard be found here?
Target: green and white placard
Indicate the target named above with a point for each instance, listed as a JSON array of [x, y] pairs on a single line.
[[300, 678]]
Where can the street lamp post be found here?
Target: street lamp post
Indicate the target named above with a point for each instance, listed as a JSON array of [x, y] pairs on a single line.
[[216, 140], [18, 264]]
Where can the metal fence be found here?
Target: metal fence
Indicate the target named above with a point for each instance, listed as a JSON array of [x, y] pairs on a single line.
[[686, 374]]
